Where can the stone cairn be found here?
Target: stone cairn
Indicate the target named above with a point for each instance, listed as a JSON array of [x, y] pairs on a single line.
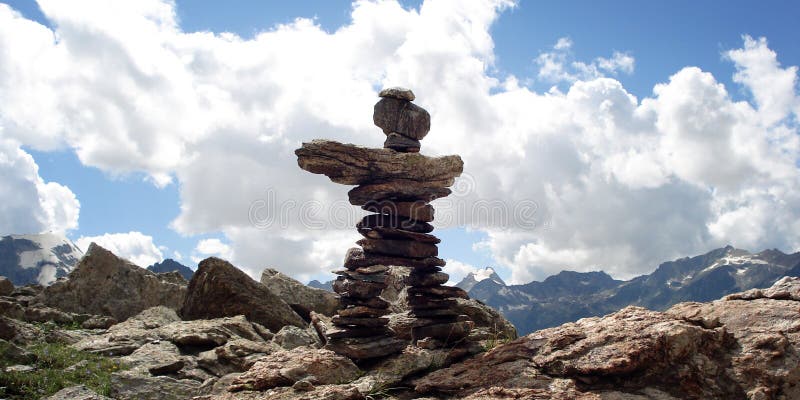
[[396, 183]]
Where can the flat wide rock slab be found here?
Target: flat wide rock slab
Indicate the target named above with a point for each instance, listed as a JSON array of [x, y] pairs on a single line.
[[349, 164]]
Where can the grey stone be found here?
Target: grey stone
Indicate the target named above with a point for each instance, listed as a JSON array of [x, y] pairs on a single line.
[[349, 164], [398, 142], [301, 298], [397, 92], [290, 337], [401, 116], [80, 392]]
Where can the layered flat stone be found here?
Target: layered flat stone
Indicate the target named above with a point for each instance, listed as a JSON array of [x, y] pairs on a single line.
[[356, 258], [374, 302], [377, 277], [372, 269], [427, 279], [439, 291], [400, 190], [397, 92], [448, 331], [395, 222], [362, 311], [398, 142], [413, 210], [358, 289], [392, 233], [401, 116], [355, 165], [400, 248], [369, 322], [435, 313], [338, 332], [367, 347], [426, 303]]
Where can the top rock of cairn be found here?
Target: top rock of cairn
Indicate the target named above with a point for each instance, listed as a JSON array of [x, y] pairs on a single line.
[[396, 184], [398, 93]]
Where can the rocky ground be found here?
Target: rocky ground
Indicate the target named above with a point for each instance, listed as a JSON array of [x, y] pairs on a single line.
[[226, 336]]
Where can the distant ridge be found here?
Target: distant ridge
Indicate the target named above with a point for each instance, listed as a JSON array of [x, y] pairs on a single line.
[[569, 296], [170, 265]]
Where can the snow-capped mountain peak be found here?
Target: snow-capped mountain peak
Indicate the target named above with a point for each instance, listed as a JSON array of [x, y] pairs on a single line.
[[40, 258], [480, 275]]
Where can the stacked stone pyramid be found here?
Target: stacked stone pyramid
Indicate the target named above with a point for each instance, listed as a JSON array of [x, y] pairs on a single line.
[[396, 184]]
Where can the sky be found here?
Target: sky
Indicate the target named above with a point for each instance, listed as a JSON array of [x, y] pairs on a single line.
[[595, 135]]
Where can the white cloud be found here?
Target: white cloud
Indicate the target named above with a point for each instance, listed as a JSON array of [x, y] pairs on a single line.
[[560, 65], [212, 247], [609, 181], [133, 246], [28, 204]]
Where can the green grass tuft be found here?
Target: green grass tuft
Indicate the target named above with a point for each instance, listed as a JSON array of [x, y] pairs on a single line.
[[52, 372]]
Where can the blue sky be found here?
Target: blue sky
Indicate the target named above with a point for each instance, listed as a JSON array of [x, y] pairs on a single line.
[[661, 38]]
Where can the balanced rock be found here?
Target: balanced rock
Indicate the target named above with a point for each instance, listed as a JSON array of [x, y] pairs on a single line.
[[357, 289], [413, 210], [401, 116], [349, 164], [397, 92], [392, 221], [104, 284], [356, 258], [402, 248], [398, 142], [400, 190], [394, 233], [218, 289]]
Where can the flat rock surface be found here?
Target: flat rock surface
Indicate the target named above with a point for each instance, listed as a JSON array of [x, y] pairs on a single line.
[[284, 368], [349, 164]]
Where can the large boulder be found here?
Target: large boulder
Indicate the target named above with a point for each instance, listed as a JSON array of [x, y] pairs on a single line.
[[105, 284], [630, 350], [218, 289], [301, 298], [6, 287]]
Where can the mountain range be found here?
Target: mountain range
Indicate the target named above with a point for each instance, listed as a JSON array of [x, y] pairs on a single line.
[[569, 296], [43, 258], [40, 258]]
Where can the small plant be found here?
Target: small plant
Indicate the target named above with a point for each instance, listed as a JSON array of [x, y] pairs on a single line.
[[52, 372]]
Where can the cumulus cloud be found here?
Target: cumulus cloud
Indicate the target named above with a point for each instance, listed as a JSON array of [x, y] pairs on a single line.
[[29, 204], [560, 65], [585, 178], [133, 246], [212, 247]]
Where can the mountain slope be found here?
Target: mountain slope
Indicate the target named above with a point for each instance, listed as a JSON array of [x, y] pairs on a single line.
[[42, 258], [569, 296], [170, 265]]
